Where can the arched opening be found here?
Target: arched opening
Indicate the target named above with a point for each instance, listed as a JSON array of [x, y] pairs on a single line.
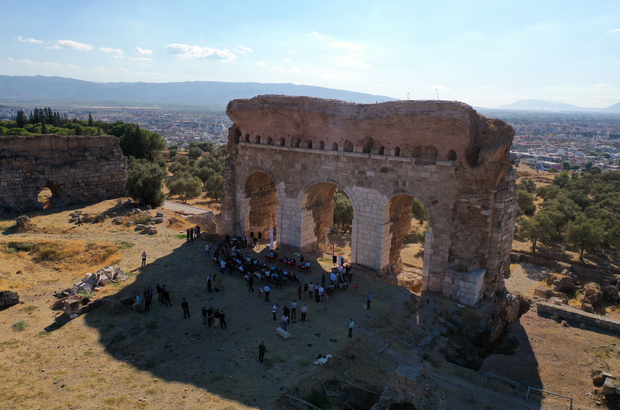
[[406, 236], [296, 142], [322, 145], [309, 143], [396, 152], [269, 141], [366, 144], [380, 150], [431, 152], [417, 152], [257, 139], [247, 137], [261, 196], [237, 135], [335, 146], [451, 155], [282, 142], [348, 146], [50, 197], [327, 217]]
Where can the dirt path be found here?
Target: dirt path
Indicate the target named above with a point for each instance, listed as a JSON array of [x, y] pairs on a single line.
[[184, 208]]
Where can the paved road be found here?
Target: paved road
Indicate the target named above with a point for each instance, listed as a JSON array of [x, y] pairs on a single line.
[[184, 209]]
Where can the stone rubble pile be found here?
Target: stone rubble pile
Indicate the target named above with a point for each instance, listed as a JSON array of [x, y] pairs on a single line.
[[94, 281], [23, 222], [8, 298]]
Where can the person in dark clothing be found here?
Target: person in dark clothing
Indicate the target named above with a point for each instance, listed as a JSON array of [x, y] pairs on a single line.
[[222, 320], [187, 232], [323, 280], [299, 291], [167, 301], [19, 212], [251, 282], [210, 316], [159, 294], [204, 315], [261, 351], [185, 307], [147, 300]]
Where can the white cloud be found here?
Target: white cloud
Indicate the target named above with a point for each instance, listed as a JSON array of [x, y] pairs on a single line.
[[111, 50], [292, 51], [99, 69], [261, 64], [30, 62], [122, 70], [143, 51], [601, 85], [487, 86], [295, 69], [10, 59], [348, 46], [71, 44], [351, 62], [315, 33], [199, 52], [74, 67], [615, 31], [278, 69], [365, 66], [141, 59], [46, 64], [241, 49], [194, 66], [143, 73], [28, 40], [287, 59]]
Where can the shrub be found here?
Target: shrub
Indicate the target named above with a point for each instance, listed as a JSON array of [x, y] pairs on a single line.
[[21, 246], [20, 325]]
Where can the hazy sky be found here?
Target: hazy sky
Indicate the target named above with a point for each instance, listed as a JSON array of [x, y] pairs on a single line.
[[485, 53]]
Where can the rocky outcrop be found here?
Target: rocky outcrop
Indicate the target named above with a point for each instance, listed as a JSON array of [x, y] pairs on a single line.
[[409, 385], [75, 168], [8, 298]]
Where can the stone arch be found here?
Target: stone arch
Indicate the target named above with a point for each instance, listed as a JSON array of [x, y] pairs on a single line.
[[366, 145], [451, 156], [396, 152], [269, 141], [418, 152], [335, 146], [56, 197], [309, 144], [261, 204], [430, 152], [257, 139], [247, 137], [397, 222], [282, 142], [322, 145], [348, 146], [237, 135], [378, 150], [296, 142]]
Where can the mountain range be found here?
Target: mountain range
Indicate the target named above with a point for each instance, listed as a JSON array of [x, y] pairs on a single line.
[[54, 90], [542, 105]]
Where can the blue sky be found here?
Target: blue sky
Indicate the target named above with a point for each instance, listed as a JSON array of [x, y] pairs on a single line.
[[485, 53]]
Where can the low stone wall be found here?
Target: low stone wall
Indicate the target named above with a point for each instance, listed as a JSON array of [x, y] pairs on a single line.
[[571, 313]]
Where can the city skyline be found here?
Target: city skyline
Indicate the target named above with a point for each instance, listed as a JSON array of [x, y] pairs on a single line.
[[482, 53]]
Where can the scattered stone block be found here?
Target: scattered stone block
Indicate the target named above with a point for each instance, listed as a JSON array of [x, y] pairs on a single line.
[[609, 387], [283, 333], [8, 298]]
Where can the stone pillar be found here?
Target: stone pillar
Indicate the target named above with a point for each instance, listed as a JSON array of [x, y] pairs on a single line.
[[369, 209], [427, 284]]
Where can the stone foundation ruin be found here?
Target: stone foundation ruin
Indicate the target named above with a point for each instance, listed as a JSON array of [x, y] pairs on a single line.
[[288, 155], [75, 168]]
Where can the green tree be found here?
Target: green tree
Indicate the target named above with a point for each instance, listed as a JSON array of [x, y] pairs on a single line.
[[173, 150], [418, 211], [525, 202], [21, 119], [527, 185], [43, 128], [565, 166], [194, 152], [585, 234], [145, 181], [588, 165], [79, 130], [186, 187], [535, 229], [214, 186], [91, 123], [343, 211]]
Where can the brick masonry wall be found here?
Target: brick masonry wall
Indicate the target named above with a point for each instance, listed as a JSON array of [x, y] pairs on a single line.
[[471, 207], [75, 168]]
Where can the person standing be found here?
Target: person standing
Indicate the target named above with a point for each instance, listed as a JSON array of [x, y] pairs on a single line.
[[305, 292], [222, 266], [207, 250], [294, 309], [274, 310], [167, 301], [216, 318], [222, 320], [147, 300], [143, 258], [284, 319], [351, 324], [261, 351], [251, 282], [210, 316], [266, 289], [323, 280], [368, 299], [204, 315], [185, 307], [159, 294], [356, 287], [304, 310]]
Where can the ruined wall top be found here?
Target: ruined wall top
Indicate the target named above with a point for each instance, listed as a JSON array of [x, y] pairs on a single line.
[[440, 130], [58, 149]]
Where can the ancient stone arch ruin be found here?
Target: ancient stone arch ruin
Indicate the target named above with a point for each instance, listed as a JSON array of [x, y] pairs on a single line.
[[289, 154], [75, 168]]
